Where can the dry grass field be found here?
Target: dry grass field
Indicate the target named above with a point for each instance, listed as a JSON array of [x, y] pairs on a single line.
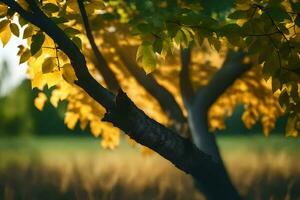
[[77, 168]]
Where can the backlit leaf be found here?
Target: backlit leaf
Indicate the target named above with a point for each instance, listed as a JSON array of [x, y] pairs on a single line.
[[146, 57], [25, 56], [5, 34], [40, 101], [3, 10], [69, 73], [48, 65], [28, 31], [15, 29], [37, 43]]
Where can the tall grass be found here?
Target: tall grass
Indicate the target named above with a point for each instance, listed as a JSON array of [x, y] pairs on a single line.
[[60, 168]]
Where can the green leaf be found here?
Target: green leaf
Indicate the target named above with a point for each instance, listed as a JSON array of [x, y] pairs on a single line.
[[59, 20], [172, 29], [48, 65], [270, 66], [25, 56], [296, 7], [215, 42], [293, 61], [278, 14], [276, 84], [233, 33], [14, 29], [146, 57], [71, 31], [290, 128], [37, 42], [180, 38], [77, 41], [144, 28], [297, 21], [158, 45], [50, 8], [108, 16], [284, 98], [239, 14], [22, 21], [168, 46], [28, 31], [284, 50], [189, 34], [294, 91]]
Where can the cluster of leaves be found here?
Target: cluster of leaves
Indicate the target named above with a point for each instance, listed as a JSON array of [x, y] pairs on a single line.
[[267, 30], [270, 32], [49, 66]]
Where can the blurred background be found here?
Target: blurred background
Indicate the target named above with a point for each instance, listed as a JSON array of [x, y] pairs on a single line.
[[41, 159]]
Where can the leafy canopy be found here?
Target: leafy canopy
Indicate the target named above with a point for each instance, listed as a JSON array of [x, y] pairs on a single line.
[[152, 32]]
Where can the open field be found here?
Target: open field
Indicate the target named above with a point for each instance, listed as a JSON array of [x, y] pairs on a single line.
[[77, 168]]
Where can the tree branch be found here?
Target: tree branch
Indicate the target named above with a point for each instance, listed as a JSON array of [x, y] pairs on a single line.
[[232, 69], [186, 87], [101, 65], [163, 96], [165, 99], [180, 151]]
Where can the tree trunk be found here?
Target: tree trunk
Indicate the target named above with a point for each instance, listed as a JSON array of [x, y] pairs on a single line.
[[197, 106], [206, 142]]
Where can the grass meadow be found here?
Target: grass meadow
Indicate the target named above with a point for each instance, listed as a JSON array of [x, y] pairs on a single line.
[[77, 168]]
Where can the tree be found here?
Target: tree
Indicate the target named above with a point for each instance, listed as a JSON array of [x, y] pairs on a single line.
[[79, 46], [4, 72]]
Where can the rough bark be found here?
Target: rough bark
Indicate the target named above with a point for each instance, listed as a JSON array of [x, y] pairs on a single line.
[[122, 112]]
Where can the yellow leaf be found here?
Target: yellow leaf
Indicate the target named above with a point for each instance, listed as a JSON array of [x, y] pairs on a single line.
[[5, 35], [3, 10], [85, 110], [58, 94], [23, 4], [49, 43], [52, 79], [95, 126], [73, 5], [71, 119], [110, 137], [3, 24], [37, 81], [54, 100], [40, 101], [83, 123], [69, 73]]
